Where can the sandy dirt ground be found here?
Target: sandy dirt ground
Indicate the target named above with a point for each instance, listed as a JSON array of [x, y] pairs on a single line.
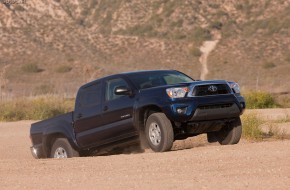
[[192, 164]]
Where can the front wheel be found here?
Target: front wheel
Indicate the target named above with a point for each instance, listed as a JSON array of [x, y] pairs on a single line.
[[230, 134], [159, 132], [61, 148]]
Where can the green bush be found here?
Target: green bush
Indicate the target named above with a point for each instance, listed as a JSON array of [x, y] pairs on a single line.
[[178, 36], [195, 52], [269, 65], [169, 8], [19, 8], [177, 24], [139, 30], [31, 68], [257, 100], [63, 69], [34, 108], [216, 25], [228, 28], [201, 34], [214, 6]]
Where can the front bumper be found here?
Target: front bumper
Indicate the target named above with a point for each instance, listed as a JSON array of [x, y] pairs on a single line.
[[216, 112], [37, 151], [205, 108]]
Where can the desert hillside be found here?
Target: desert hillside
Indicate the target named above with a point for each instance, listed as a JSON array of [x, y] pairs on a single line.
[[53, 46]]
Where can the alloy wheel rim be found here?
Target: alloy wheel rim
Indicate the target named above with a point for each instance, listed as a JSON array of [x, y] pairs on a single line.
[[60, 153], [155, 134]]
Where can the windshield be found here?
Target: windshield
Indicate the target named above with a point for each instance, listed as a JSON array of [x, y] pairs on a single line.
[[149, 79]]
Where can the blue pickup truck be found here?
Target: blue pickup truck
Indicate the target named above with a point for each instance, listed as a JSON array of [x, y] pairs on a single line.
[[153, 108]]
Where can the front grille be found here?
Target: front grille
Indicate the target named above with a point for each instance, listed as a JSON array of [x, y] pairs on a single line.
[[212, 89], [217, 106]]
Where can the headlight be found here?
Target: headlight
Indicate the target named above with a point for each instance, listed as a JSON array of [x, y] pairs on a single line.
[[177, 92], [235, 87]]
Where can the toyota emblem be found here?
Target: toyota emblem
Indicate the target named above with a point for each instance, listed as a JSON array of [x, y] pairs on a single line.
[[212, 88]]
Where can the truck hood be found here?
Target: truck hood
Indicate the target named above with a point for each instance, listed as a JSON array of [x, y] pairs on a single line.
[[190, 84]]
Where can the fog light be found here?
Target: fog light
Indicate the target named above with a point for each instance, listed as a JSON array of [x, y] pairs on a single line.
[[242, 105], [34, 151], [181, 110]]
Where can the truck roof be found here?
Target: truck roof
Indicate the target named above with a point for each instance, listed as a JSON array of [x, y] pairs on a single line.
[[121, 74]]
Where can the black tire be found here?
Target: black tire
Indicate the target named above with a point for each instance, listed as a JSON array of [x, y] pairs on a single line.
[[61, 148], [211, 137], [159, 132], [228, 135]]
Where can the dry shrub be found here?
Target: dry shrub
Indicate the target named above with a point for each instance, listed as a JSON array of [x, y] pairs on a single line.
[[63, 69], [252, 127], [275, 132], [258, 100], [31, 68], [36, 108]]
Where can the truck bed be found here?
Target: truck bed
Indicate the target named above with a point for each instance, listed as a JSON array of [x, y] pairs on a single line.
[[41, 129]]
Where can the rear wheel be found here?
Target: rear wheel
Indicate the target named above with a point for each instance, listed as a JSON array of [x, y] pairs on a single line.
[[159, 132], [61, 148], [230, 134]]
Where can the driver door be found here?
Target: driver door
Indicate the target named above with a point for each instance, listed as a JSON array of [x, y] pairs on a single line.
[[117, 112]]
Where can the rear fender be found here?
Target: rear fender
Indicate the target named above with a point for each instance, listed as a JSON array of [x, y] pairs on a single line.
[[58, 131]]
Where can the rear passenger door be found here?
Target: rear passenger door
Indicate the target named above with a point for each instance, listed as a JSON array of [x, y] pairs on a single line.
[[88, 115]]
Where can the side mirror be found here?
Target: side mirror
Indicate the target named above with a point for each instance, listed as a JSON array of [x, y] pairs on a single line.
[[122, 90]]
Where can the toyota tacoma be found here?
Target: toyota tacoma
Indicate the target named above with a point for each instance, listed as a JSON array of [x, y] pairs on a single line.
[[153, 108]]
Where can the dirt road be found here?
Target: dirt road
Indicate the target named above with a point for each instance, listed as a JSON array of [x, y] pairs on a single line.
[[195, 165]]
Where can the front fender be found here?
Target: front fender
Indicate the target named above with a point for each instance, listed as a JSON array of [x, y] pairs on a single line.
[[155, 103]]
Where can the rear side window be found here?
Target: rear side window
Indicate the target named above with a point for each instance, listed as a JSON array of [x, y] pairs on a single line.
[[91, 95]]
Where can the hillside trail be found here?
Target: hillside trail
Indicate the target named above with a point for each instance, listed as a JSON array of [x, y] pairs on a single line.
[[206, 48], [3, 80]]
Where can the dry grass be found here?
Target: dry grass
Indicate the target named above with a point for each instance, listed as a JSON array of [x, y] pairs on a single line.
[[257, 100], [252, 127], [31, 68], [255, 128], [275, 132], [34, 108], [63, 69]]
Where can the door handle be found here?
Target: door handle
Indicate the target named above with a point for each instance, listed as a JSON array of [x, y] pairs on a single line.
[[80, 116], [105, 108]]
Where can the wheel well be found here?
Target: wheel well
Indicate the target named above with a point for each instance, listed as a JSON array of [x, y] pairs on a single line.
[[145, 113], [50, 140]]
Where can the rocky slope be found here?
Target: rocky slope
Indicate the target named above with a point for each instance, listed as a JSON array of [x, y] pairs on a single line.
[[97, 37]]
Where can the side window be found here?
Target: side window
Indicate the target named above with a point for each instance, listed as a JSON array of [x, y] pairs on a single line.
[[111, 85], [91, 95]]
